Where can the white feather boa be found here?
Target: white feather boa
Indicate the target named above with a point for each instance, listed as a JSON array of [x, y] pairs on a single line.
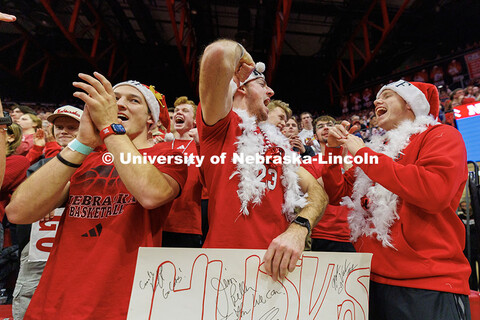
[[382, 211], [250, 188]]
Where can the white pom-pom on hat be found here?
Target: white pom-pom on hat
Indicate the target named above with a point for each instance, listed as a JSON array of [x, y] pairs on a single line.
[[260, 67], [256, 73]]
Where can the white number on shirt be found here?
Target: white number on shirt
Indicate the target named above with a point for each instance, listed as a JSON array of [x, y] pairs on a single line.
[[271, 179]]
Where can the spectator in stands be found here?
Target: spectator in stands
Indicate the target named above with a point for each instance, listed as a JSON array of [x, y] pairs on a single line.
[[248, 209], [64, 128], [469, 93], [291, 132], [306, 135], [183, 227], [66, 121], [415, 275], [111, 208], [19, 111], [29, 123], [332, 232], [15, 172], [476, 93], [278, 113]]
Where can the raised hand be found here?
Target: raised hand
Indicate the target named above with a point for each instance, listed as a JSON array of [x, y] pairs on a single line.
[[337, 134], [99, 98]]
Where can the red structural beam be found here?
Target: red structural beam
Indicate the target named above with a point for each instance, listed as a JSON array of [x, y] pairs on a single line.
[[280, 27], [344, 73], [100, 27], [184, 37], [28, 50]]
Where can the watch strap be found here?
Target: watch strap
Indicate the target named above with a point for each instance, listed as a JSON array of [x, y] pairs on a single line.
[[105, 132], [303, 222], [76, 145]]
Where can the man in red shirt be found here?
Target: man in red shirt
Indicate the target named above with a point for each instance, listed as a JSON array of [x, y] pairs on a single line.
[[403, 205], [251, 205], [332, 232], [113, 206], [183, 227]]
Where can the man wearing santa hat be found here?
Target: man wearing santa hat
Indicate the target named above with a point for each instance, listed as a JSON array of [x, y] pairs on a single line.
[[251, 205], [112, 206], [402, 209]]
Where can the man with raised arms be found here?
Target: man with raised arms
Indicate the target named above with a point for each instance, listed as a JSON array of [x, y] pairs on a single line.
[[251, 205]]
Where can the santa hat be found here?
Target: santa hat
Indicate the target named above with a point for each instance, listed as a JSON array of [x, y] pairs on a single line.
[[256, 73], [422, 97], [155, 101]]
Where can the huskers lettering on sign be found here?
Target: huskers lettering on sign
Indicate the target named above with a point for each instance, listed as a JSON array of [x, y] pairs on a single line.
[[231, 284], [42, 237]]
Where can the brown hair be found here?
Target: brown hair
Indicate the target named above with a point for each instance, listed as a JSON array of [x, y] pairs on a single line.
[[323, 119], [16, 131], [280, 104], [184, 100]]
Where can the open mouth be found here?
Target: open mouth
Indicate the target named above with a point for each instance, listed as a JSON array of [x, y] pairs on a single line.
[[380, 111], [266, 102], [122, 117], [179, 119]]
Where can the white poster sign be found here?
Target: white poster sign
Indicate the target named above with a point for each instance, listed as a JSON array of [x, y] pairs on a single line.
[[42, 237], [230, 284]]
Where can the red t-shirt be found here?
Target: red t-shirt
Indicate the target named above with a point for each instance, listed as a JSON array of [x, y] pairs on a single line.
[[228, 227], [185, 215], [333, 225], [89, 273]]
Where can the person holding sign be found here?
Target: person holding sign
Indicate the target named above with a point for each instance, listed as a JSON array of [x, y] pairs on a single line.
[[113, 207], [251, 205], [403, 207]]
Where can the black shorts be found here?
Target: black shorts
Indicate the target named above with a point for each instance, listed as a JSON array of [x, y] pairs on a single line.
[[400, 303], [331, 246], [181, 240]]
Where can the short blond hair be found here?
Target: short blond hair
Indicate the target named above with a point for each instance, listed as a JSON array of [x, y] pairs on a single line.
[[184, 100], [280, 104]]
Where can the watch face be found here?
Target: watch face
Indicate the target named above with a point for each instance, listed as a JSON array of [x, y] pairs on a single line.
[[6, 119], [118, 128]]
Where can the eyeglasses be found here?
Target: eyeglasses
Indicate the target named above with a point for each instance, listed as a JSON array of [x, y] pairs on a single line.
[[323, 125]]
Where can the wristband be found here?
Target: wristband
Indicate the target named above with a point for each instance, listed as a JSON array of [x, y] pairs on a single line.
[[76, 145], [66, 162]]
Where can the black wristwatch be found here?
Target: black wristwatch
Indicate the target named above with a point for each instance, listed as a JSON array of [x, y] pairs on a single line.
[[303, 222], [5, 119]]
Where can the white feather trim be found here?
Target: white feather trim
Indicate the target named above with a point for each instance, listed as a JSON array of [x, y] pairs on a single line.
[[250, 188], [382, 211]]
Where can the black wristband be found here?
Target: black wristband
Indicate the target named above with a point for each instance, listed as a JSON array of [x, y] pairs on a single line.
[[67, 163]]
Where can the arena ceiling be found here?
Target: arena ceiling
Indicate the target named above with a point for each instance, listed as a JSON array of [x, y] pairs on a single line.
[[314, 49]]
